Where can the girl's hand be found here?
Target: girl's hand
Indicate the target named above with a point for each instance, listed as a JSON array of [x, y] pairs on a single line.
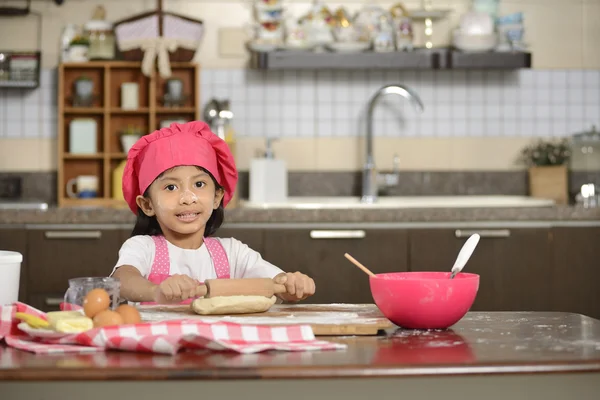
[[298, 285], [175, 289]]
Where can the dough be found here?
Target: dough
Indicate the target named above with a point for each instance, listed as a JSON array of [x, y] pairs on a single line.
[[232, 305]]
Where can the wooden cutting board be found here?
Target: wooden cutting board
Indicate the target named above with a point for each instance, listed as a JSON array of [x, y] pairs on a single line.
[[324, 319]]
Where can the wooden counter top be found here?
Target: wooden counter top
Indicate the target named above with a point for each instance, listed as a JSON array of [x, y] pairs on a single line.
[[480, 344]]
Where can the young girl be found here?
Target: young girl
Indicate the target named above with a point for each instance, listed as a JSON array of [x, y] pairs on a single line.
[[178, 181]]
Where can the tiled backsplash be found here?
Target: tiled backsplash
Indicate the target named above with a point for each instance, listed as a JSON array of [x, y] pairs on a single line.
[[333, 103]]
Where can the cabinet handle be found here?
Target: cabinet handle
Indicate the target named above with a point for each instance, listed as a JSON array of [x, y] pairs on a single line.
[[484, 233], [338, 234], [73, 234], [53, 301]]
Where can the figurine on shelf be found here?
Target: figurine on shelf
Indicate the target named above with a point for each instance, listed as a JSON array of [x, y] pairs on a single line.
[[403, 27], [174, 96], [83, 89], [268, 28]]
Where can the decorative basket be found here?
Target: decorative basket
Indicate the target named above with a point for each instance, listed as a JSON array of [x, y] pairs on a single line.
[[158, 35]]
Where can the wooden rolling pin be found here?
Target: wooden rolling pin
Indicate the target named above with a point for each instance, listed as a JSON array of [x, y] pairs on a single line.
[[239, 287]]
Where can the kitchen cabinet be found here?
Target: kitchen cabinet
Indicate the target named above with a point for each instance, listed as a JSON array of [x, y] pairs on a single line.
[[16, 240], [320, 254], [515, 265], [576, 273], [61, 254], [252, 237]]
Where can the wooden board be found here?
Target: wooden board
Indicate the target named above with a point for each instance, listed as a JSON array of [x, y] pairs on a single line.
[[324, 319]]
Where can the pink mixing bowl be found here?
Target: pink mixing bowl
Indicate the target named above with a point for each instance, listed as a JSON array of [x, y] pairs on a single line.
[[424, 300]]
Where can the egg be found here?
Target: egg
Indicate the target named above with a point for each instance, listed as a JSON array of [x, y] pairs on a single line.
[[96, 301], [130, 314], [107, 318]]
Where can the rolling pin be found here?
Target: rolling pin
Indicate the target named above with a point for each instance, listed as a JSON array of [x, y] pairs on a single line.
[[239, 287]]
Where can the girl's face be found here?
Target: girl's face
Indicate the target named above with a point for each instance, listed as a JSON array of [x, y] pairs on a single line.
[[182, 199]]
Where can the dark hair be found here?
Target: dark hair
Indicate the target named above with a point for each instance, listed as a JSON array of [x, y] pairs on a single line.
[[145, 225]]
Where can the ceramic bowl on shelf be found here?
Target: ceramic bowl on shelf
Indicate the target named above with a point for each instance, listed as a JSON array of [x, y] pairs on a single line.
[[476, 23], [424, 300], [474, 43]]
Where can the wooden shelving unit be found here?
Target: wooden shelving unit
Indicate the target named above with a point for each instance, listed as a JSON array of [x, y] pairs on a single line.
[[106, 110]]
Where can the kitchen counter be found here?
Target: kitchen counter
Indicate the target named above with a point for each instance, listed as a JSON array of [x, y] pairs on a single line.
[[488, 352], [248, 215]]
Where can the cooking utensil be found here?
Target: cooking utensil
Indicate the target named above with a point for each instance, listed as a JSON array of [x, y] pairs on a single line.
[[240, 287], [464, 254], [359, 265]]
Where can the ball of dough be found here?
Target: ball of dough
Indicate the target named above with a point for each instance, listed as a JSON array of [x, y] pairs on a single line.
[[223, 305]]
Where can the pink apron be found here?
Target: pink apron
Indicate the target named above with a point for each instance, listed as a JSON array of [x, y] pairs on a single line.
[[161, 267]]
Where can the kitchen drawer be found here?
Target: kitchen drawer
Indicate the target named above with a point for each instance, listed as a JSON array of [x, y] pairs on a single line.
[[319, 253], [55, 256], [46, 301], [514, 265]]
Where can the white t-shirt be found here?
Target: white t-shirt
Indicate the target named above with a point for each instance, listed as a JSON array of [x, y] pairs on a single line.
[[138, 251]]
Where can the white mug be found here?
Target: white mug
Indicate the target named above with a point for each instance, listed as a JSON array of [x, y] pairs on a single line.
[[83, 186]]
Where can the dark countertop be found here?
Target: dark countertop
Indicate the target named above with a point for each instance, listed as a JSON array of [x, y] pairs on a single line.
[[246, 215], [482, 343]]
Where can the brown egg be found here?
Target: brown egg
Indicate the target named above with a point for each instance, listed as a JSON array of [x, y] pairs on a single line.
[[107, 318], [95, 301], [130, 314]]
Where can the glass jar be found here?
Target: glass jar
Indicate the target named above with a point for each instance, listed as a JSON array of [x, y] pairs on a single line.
[[102, 40]]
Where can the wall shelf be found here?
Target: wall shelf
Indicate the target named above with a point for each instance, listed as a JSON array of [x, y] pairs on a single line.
[[419, 59]]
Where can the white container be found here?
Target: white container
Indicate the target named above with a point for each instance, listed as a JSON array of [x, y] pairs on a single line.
[[268, 180], [10, 273], [83, 136], [129, 96], [127, 141]]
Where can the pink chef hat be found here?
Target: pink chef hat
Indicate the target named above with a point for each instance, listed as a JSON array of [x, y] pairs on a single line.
[[191, 143]]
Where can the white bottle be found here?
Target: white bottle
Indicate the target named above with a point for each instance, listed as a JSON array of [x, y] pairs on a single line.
[[268, 178]]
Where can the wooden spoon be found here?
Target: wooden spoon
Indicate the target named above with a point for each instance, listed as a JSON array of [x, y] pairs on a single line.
[[359, 265]]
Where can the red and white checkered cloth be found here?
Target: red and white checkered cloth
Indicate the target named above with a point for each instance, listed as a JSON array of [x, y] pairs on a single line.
[[166, 337]]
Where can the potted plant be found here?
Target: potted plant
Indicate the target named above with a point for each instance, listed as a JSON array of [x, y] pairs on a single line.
[[78, 49], [129, 136], [547, 162]]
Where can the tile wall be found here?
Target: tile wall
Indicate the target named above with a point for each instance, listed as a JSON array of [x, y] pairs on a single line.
[[333, 103]]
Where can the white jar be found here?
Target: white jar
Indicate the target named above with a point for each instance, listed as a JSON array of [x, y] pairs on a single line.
[[102, 40]]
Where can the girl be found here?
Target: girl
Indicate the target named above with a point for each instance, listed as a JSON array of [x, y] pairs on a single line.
[[178, 181]]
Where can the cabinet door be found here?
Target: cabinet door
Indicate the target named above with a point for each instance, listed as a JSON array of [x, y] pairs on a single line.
[[514, 264], [320, 255], [16, 240], [576, 285], [55, 256]]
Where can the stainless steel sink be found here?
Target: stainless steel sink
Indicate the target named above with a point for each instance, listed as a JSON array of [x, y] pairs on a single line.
[[404, 202], [23, 205]]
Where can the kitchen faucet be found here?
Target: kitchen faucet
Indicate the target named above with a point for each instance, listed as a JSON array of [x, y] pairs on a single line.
[[371, 178]]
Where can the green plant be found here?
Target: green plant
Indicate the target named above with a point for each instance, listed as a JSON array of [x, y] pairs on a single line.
[[131, 131], [547, 153], [80, 40]]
